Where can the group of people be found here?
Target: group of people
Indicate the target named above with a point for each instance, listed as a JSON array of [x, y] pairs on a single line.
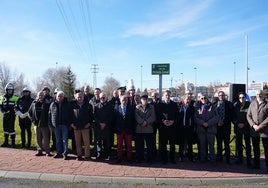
[[93, 118]]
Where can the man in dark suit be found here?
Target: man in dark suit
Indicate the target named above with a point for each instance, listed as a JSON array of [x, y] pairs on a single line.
[[226, 114], [167, 118]]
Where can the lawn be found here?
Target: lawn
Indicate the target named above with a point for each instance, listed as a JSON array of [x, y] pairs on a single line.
[[18, 138]]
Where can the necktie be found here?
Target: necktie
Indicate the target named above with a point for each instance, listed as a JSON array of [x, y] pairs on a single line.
[[123, 111]]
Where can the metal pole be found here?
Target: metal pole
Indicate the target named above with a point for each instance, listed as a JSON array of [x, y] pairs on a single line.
[[160, 86], [246, 62], [141, 78], [234, 72], [195, 81]]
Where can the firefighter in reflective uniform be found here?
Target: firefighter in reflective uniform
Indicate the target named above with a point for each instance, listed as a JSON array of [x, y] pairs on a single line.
[[7, 103]]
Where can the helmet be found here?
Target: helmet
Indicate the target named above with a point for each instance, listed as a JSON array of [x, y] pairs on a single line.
[[26, 89], [57, 90], [9, 86]]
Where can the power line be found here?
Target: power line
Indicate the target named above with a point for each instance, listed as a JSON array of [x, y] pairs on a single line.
[[87, 49], [68, 25]]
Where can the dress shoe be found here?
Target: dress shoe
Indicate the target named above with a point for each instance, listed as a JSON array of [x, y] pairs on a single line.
[[65, 157], [56, 156], [79, 158], [39, 153], [87, 158], [49, 155]]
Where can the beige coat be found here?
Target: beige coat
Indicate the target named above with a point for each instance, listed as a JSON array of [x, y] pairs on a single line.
[[258, 115]]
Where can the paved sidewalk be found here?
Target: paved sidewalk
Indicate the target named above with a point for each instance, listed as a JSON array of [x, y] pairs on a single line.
[[24, 163]]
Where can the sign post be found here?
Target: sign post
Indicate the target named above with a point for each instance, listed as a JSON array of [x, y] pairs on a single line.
[[160, 69]]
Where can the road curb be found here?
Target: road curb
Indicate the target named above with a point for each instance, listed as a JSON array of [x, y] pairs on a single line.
[[132, 180]]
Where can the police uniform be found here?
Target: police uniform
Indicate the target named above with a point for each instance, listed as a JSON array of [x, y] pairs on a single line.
[[7, 103]]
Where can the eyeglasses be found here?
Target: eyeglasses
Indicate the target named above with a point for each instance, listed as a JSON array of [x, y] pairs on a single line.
[[221, 95], [102, 98], [203, 98]]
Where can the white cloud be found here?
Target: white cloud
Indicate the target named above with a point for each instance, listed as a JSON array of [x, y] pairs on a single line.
[[172, 23]]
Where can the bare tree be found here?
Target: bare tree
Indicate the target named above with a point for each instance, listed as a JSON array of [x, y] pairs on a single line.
[[110, 84], [213, 87], [5, 75], [20, 82], [52, 78]]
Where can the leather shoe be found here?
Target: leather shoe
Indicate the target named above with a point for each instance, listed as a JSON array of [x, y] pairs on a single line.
[[39, 154], [49, 155], [65, 157], [57, 156], [79, 158]]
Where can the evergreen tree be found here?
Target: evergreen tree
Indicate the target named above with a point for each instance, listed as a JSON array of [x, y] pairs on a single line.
[[68, 83]]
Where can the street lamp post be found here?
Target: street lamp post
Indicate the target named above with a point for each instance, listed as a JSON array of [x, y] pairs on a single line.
[[195, 70], [246, 61], [234, 72], [141, 78]]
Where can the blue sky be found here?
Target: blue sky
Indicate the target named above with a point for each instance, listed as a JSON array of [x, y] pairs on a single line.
[[123, 35]]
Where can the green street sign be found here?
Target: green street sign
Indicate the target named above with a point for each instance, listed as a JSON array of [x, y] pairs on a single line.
[[160, 69]]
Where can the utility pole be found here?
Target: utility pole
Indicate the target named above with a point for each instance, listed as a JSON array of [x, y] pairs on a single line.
[[141, 78], [94, 68], [195, 81], [246, 61]]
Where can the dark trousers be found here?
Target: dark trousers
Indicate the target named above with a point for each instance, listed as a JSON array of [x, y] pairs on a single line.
[[256, 150], [155, 141], [9, 128], [239, 145], [9, 124], [102, 142], [265, 146], [223, 135], [25, 126], [52, 136], [148, 138], [167, 135], [186, 137]]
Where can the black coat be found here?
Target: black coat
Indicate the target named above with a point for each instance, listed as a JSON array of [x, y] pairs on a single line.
[[167, 112], [124, 123], [189, 120], [103, 113], [38, 112], [57, 117], [83, 115], [229, 112], [23, 105]]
